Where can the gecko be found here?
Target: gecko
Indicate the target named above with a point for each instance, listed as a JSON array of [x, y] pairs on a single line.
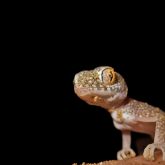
[[104, 87]]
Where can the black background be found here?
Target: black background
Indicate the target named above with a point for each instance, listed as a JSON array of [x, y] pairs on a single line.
[[65, 129], [57, 127]]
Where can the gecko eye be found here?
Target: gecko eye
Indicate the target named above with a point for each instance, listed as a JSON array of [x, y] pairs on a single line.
[[108, 76]]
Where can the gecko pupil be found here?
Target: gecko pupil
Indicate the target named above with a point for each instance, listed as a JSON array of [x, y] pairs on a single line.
[[110, 77]]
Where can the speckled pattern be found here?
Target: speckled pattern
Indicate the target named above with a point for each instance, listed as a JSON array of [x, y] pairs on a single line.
[[106, 88]]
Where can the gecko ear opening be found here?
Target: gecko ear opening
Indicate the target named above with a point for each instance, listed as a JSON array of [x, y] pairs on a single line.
[[108, 76]]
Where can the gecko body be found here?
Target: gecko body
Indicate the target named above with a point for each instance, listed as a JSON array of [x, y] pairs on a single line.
[[106, 88]]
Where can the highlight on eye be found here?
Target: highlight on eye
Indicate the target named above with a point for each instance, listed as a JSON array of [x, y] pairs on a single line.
[[108, 76]]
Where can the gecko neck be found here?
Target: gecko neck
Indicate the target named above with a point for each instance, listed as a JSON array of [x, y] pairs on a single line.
[[113, 107]]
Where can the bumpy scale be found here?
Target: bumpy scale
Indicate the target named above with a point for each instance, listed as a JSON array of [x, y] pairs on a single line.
[[106, 88]]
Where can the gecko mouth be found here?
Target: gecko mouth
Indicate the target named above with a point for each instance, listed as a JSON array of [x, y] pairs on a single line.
[[101, 88], [87, 91]]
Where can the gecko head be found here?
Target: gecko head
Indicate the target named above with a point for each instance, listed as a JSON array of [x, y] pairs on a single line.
[[101, 86]]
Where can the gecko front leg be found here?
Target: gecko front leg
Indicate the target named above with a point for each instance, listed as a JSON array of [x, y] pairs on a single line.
[[126, 151], [159, 140]]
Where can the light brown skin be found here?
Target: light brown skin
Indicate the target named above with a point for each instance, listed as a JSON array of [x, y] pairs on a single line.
[[106, 88]]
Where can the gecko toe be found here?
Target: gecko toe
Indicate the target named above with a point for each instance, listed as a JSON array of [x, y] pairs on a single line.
[[150, 149], [125, 154], [163, 151]]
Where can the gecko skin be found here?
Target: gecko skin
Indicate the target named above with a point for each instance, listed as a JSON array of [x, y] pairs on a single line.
[[106, 88]]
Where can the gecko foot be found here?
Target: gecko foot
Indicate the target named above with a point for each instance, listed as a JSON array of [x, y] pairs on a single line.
[[125, 154], [150, 149]]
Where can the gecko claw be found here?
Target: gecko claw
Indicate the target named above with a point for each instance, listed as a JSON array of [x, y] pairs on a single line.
[[125, 154]]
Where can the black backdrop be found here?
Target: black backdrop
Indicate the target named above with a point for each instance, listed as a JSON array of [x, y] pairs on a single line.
[[49, 123], [56, 126], [61, 127]]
